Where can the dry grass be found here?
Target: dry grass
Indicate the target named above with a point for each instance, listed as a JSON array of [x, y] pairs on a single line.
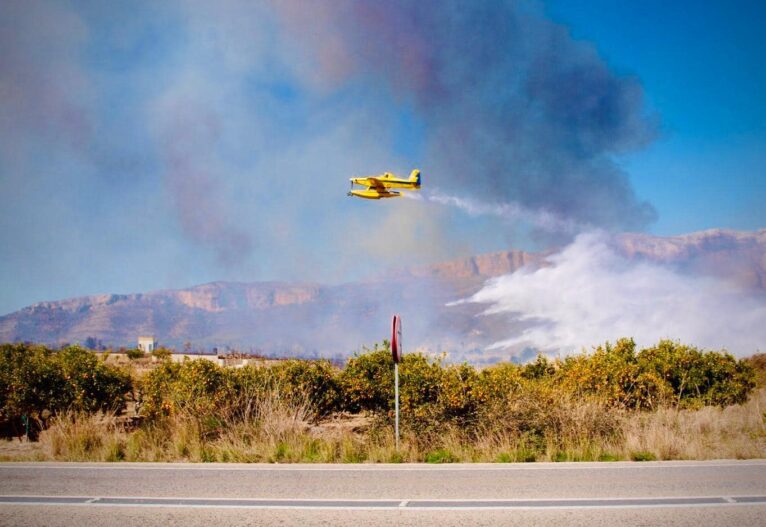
[[80, 436], [276, 431], [18, 449], [734, 432]]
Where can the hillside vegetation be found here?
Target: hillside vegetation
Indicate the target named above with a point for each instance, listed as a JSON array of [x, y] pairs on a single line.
[[669, 401]]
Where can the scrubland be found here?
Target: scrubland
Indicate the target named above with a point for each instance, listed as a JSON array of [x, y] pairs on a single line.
[[669, 401]]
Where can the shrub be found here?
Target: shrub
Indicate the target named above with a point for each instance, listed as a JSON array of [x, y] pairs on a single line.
[[162, 354], [697, 378], [212, 394], [196, 388], [539, 369], [367, 381], [420, 386], [37, 382], [498, 383], [154, 392], [549, 409], [441, 455], [135, 353], [91, 384], [668, 373], [643, 456], [312, 382], [459, 394], [611, 373], [31, 381], [758, 363]]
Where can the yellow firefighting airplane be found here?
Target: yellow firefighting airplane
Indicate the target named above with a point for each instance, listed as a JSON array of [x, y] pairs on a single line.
[[378, 186]]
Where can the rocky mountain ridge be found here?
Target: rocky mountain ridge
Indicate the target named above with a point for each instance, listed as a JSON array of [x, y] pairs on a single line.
[[314, 319]]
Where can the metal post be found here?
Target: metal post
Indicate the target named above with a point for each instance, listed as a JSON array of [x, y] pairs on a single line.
[[396, 402]]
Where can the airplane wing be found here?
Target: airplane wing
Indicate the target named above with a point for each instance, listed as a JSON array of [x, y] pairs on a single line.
[[375, 183]]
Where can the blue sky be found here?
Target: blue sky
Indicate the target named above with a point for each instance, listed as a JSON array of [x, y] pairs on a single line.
[[702, 68], [149, 145]]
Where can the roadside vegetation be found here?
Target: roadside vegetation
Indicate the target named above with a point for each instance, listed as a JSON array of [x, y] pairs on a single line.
[[668, 401]]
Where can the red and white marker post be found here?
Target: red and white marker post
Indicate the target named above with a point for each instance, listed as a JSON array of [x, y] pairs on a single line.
[[396, 351]]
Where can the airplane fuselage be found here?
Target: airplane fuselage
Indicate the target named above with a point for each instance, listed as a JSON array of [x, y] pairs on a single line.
[[388, 180]]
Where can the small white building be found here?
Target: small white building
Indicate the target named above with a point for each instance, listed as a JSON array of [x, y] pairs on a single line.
[[147, 344]]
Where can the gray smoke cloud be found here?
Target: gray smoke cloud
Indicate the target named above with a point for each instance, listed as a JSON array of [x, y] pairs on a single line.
[[516, 110], [202, 142], [189, 135], [45, 94]]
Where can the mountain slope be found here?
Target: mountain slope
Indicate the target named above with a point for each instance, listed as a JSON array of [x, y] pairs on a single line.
[[313, 319]]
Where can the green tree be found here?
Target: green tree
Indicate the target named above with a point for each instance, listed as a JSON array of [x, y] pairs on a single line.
[[35, 380]]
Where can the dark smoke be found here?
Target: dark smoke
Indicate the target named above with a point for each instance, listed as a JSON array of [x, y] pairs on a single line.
[[516, 110], [189, 133], [43, 95]]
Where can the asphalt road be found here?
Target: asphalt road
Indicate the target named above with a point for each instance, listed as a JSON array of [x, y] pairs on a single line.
[[678, 493]]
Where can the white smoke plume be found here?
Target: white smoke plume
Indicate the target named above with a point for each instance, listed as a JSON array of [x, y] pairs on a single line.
[[512, 212], [591, 293]]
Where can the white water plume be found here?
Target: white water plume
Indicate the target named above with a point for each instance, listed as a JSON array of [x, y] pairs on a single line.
[[591, 293], [512, 212]]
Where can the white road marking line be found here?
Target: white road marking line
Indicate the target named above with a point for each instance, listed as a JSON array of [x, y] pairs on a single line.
[[397, 501], [379, 509], [382, 504], [372, 508], [392, 468], [98, 500]]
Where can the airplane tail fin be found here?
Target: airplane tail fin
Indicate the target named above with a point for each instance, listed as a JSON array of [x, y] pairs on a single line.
[[415, 177]]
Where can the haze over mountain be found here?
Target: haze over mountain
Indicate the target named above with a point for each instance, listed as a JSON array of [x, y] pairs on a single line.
[[309, 319]]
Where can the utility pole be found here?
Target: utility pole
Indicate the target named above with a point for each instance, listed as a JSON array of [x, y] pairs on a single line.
[[396, 351]]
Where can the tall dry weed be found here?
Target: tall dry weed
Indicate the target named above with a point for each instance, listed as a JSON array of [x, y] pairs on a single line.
[[734, 432], [80, 436]]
